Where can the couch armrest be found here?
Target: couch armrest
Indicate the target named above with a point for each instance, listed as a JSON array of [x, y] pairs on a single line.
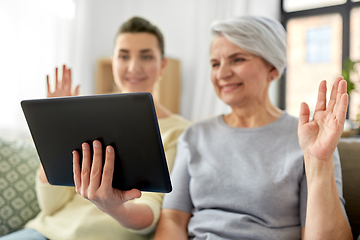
[[349, 150]]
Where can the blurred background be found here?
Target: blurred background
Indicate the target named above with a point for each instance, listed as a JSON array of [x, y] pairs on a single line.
[[38, 35]]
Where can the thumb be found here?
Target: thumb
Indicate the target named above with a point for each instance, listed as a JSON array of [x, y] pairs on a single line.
[[76, 93], [132, 194]]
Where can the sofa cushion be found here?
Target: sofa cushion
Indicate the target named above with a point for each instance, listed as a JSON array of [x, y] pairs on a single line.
[[18, 204], [349, 150]]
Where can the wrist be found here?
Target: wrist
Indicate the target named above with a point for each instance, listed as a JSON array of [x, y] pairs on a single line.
[[42, 176], [132, 215], [318, 169]]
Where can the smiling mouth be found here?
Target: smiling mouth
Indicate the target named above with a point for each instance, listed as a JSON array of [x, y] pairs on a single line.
[[134, 80], [230, 87]]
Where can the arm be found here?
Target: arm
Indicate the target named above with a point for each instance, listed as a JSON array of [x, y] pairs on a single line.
[[172, 225], [177, 205], [62, 89], [51, 198], [154, 200], [318, 139], [95, 184]]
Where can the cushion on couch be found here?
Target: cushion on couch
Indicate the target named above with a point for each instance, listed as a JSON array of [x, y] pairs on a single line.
[[18, 203], [349, 150]]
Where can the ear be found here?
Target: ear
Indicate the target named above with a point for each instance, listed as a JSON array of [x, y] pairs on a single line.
[[273, 73], [164, 63]]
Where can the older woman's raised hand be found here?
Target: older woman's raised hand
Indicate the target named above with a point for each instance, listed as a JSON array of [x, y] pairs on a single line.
[[319, 138], [94, 182], [62, 87]]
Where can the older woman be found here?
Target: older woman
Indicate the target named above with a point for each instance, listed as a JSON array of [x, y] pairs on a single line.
[[244, 175]]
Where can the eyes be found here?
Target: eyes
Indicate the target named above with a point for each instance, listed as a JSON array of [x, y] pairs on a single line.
[[216, 64], [144, 57], [124, 57], [239, 59]]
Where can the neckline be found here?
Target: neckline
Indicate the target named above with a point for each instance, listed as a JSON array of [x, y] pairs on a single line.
[[264, 127]]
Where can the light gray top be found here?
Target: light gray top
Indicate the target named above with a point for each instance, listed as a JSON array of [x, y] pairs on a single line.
[[242, 183]]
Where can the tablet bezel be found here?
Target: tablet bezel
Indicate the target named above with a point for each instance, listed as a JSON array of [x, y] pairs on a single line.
[[127, 121]]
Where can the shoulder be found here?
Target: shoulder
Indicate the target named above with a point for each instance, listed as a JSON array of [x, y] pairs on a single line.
[[173, 121], [172, 126], [290, 118], [202, 128], [287, 123]]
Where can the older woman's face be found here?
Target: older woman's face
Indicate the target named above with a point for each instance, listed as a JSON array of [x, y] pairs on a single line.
[[137, 62], [239, 78]]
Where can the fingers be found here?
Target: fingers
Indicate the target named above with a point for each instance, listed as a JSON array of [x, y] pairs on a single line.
[[85, 169], [56, 79], [132, 194], [333, 94], [342, 108], [96, 168], [337, 91], [321, 99], [94, 179], [92, 175], [62, 86], [304, 115], [340, 91], [77, 90], [76, 171], [48, 86], [108, 171], [66, 81]]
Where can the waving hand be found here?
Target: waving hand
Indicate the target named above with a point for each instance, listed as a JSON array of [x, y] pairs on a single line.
[[319, 138], [62, 87]]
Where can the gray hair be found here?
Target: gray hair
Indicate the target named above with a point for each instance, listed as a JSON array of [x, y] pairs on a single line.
[[261, 36]]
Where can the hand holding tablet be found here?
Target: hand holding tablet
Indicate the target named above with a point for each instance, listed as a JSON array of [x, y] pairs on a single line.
[[93, 180], [127, 122]]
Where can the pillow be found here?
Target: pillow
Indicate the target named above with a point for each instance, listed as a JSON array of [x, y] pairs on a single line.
[[18, 203]]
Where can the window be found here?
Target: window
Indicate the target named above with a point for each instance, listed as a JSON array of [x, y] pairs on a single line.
[[35, 37], [354, 109], [321, 36], [296, 5], [318, 44]]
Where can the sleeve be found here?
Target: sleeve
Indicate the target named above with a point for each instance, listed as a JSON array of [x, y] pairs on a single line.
[[303, 199], [338, 180], [179, 198], [154, 200], [52, 198]]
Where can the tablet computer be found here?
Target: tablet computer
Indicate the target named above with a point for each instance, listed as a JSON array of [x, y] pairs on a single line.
[[126, 121]]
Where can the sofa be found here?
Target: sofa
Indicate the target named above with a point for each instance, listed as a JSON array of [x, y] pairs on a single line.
[[19, 162], [349, 150], [18, 165]]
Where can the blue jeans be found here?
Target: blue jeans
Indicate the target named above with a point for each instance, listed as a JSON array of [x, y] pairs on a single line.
[[24, 234]]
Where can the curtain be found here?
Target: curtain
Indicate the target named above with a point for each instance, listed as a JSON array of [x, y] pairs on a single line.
[[185, 25], [38, 35], [35, 37]]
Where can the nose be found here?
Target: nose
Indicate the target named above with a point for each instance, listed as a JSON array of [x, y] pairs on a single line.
[[224, 72], [134, 65]]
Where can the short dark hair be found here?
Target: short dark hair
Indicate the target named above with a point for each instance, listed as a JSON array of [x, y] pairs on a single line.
[[141, 25]]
